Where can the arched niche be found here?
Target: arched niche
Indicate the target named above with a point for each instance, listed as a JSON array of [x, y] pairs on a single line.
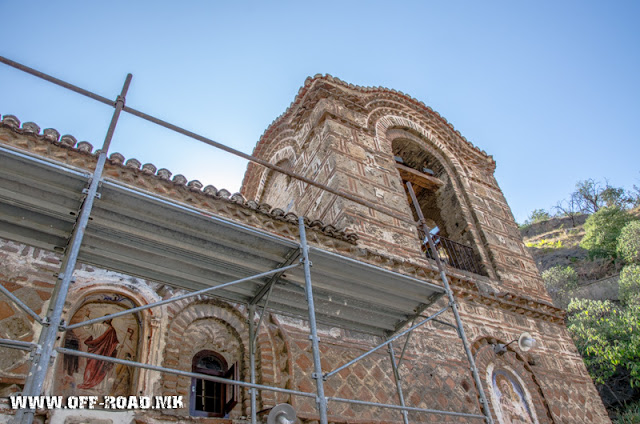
[[510, 385], [119, 338], [510, 397], [206, 325], [277, 186], [439, 199]]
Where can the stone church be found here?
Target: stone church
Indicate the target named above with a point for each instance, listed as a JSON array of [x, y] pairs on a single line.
[[388, 173]]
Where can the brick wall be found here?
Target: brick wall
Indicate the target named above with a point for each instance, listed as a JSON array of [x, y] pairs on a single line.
[[341, 136], [344, 137]]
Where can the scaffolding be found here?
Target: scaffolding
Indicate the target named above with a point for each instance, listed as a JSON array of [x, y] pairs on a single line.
[[102, 222]]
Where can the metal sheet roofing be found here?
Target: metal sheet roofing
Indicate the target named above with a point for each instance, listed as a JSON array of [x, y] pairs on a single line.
[[145, 235]]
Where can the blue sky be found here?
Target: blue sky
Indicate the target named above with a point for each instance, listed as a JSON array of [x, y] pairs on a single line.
[[550, 89]]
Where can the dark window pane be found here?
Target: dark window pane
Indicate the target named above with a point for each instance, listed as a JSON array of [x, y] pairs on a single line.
[[210, 363]]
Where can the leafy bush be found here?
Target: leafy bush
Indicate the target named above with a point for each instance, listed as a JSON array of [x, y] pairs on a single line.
[[602, 230], [607, 337], [629, 284], [628, 247], [560, 279]]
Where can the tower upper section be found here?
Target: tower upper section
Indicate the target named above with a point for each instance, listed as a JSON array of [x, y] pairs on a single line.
[[369, 142]]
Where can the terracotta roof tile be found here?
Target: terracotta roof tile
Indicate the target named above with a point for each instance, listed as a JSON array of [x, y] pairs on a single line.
[[149, 170]]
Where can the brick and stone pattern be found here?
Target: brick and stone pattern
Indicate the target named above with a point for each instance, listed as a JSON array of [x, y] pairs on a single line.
[[342, 136], [345, 137]]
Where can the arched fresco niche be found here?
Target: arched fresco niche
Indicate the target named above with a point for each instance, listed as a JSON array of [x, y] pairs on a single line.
[[511, 401], [117, 338], [510, 385]]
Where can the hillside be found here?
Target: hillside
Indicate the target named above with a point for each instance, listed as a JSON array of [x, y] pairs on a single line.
[[556, 242], [605, 326]]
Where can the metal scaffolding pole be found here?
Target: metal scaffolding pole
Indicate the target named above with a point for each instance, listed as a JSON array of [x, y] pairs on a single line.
[[321, 400], [252, 362], [216, 379], [388, 342], [17, 344], [174, 371], [396, 377], [44, 352], [176, 298], [49, 333], [203, 139], [19, 303], [452, 304]]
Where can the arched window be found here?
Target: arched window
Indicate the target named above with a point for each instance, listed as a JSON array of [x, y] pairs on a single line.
[[210, 398], [438, 203]]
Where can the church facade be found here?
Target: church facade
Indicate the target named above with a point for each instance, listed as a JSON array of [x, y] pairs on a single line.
[[373, 144]]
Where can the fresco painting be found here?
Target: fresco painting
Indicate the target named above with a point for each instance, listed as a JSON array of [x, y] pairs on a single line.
[[512, 402], [117, 338]]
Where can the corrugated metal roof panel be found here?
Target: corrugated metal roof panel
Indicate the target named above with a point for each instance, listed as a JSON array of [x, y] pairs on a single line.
[[145, 235]]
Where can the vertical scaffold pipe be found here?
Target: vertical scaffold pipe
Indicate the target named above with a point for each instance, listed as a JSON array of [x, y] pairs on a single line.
[[43, 358], [252, 361], [454, 307], [321, 400], [396, 376]]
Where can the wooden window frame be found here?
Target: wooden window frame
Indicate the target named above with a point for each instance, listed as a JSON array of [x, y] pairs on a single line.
[[229, 392]]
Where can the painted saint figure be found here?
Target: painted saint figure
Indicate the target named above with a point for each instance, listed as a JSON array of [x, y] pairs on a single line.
[[115, 339], [512, 404], [105, 345]]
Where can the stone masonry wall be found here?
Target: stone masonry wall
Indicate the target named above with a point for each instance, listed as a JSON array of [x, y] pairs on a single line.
[[350, 150], [435, 372], [343, 136]]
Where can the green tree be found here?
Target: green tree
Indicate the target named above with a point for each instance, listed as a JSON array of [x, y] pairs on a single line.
[[607, 336], [538, 215], [560, 281], [590, 196], [587, 195], [629, 284], [628, 247], [602, 230]]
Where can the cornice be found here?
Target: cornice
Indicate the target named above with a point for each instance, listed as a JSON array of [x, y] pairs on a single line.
[[66, 149], [50, 144]]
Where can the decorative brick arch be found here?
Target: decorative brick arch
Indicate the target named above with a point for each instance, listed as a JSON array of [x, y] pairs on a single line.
[[487, 360], [431, 124], [282, 149], [391, 126], [280, 363], [284, 157], [206, 323]]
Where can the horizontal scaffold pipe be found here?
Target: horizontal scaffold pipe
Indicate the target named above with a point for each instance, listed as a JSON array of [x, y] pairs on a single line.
[[369, 352], [57, 81], [205, 140], [175, 299], [19, 303], [17, 344], [182, 373], [207, 377], [406, 408]]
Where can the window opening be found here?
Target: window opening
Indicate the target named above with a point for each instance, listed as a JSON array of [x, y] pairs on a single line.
[[210, 398], [437, 201]]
